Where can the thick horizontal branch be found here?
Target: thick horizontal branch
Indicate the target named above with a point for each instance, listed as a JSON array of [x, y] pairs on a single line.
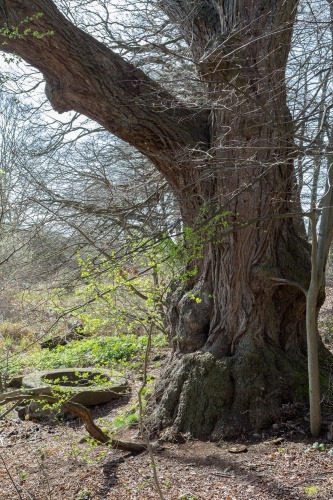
[[84, 75]]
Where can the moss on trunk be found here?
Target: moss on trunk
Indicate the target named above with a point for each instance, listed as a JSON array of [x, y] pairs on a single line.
[[228, 397]]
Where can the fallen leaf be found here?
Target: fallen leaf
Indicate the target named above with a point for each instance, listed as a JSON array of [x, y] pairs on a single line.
[[278, 440], [237, 448]]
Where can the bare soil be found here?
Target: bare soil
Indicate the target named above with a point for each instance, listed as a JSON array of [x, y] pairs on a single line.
[[52, 460]]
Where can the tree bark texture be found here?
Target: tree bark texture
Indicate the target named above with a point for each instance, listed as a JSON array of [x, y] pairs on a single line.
[[240, 349]]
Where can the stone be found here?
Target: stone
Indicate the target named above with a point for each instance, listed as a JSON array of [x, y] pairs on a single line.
[[87, 386]]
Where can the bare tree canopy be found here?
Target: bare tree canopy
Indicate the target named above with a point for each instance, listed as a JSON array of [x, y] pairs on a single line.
[[82, 74]]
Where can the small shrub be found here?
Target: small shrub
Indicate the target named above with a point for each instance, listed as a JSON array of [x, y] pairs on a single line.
[[127, 420]]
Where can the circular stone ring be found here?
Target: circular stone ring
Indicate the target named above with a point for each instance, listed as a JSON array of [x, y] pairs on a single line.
[[87, 386]]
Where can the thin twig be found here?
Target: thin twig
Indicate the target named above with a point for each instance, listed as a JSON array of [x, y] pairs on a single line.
[[40, 461], [144, 435], [10, 477], [3, 415]]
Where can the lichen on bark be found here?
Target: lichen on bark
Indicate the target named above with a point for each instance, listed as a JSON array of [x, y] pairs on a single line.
[[206, 397]]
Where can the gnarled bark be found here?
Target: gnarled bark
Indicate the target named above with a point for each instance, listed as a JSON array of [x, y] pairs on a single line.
[[246, 335]]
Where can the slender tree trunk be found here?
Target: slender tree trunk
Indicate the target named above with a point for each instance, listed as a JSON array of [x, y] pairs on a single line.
[[312, 333]]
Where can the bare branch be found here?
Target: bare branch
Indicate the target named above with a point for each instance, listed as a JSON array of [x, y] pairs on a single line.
[[84, 75]]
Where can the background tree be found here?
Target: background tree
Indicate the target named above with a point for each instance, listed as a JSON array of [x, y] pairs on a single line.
[[227, 153]]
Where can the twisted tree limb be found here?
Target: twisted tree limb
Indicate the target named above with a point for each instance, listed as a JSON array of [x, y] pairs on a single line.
[[77, 409]]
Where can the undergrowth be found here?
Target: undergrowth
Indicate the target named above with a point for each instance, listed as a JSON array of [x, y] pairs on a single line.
[[93, 351]]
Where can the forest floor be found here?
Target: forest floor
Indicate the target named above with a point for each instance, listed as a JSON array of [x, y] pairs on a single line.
[[50, 460]]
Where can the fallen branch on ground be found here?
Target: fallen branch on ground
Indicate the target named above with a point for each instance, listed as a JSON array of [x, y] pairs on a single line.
[[79, 410]]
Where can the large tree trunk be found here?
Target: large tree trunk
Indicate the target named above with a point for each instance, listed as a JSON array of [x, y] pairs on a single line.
[[240, 349], [240, 353], [239, 334]]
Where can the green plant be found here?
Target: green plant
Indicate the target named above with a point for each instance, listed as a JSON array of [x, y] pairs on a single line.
[[317, 446], [87, 454], [130, 418], [21, 474], [120, 296], [167, 483], [92, 351], [310, 490], [20, 31], [127, 291], [83, 495], [144, 484]]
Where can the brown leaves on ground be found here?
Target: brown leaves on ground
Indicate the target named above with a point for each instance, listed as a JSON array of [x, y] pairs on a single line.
[[47, 461]]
